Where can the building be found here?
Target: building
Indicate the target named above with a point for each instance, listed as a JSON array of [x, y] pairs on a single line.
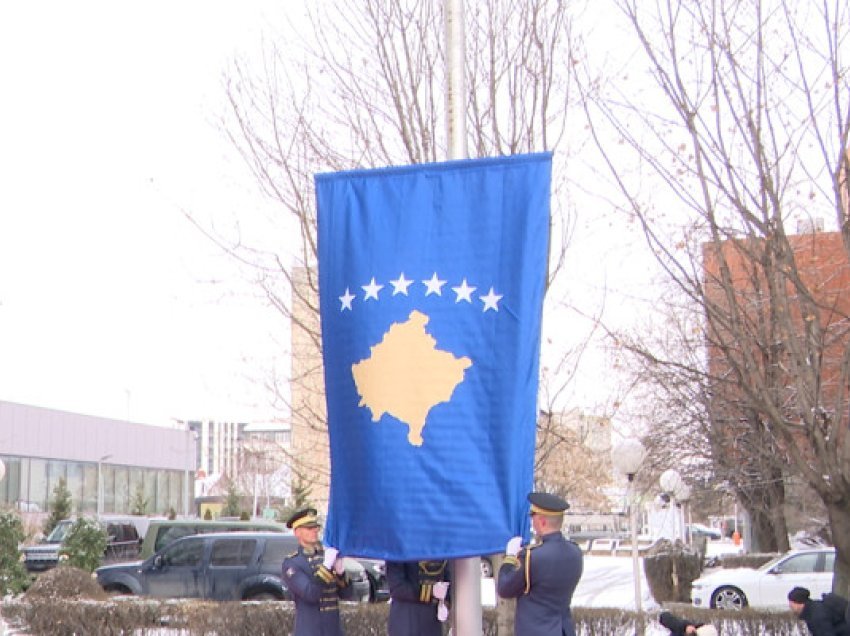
[[310, 449], [217, 448], [108, 465], [252, 457], [777, 311]]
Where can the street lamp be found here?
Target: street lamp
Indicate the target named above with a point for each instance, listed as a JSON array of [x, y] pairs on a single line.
[[683, 496], [671, 483], [100, 484], [627, 458]]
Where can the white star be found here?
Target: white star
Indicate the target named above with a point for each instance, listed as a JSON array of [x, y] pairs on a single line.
[[491, 300], [435, 285], [372, 289], [401, 284], [464, 292], [346, 299]]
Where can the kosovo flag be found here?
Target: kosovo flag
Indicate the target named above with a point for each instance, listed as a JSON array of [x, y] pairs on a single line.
[[431, 281]]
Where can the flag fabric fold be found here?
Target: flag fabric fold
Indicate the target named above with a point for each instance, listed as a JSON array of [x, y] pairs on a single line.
[[431, 281]]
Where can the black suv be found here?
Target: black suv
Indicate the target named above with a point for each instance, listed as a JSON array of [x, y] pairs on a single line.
[[122, 543], [219, 566]]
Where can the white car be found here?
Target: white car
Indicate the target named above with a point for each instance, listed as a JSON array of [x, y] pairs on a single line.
[[768, 586]]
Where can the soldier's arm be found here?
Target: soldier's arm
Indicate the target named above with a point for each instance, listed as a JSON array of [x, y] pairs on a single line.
[[511, 580], [301, 584]]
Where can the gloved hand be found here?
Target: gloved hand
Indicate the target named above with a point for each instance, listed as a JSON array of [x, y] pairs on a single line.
[[513, 547], [339, 566], [440, 589], [442, 612], [330, 557]]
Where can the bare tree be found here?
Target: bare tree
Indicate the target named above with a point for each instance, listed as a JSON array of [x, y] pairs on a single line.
[[364, 88], [744, 133], [687, 429]]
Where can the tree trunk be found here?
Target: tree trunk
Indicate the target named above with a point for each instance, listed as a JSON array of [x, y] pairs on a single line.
[[839, 522], [769, 531]]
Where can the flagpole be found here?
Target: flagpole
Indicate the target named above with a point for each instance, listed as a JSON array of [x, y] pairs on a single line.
[[466, 572]]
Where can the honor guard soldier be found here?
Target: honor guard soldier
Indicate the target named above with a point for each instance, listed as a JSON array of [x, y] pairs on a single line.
[[418, 591], [316, 579], [542, 576]]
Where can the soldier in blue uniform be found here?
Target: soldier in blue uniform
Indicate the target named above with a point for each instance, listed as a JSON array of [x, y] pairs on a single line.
[[316, 579], [542, 576], [418, 590]]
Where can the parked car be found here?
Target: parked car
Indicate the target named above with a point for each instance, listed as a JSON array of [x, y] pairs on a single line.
[[162, 532], [376, 570], [768, 586], [700, 530], [217, 566], [122, 544]]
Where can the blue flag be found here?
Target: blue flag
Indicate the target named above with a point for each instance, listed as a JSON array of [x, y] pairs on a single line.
[[431, 281]]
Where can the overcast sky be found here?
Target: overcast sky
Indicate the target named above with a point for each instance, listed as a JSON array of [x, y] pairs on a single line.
[[107, 131], [111, 303]]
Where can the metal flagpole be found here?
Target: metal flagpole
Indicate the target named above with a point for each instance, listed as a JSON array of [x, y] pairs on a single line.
[[466, 573]]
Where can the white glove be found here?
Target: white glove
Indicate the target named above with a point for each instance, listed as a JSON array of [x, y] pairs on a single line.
[[442, 612], [330, 557], [513, 547], [339, 566], [441, 588]]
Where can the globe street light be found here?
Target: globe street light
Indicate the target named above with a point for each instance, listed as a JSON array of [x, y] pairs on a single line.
[[627, 458]]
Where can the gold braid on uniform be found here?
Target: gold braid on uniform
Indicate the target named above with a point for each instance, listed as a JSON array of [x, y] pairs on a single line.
[[528, 566], [432, 569]]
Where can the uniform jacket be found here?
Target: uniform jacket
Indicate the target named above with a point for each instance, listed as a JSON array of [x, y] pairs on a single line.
[[819, 620], [316, 592], [413, 610], [542, 578]]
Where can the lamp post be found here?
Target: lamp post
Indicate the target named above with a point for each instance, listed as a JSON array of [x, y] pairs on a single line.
[[671, 483], [627, 458], [683, 496], [100, 484]]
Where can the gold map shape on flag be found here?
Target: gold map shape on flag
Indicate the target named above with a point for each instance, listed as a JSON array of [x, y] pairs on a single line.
[[406, 375]]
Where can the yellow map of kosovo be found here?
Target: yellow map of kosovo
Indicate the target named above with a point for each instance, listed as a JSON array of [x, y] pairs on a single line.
[[406, 375]]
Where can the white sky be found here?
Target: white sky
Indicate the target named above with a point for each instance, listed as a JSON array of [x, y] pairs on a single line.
[[106, 132]]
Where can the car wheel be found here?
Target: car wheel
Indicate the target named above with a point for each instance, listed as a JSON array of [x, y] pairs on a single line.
[[486, 568], [728, 598], [117, 590]]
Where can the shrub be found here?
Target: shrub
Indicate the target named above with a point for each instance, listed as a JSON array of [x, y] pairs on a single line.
[[42, 615], [84, 545], [13, 574], [670, 570], [60, 506], [66, 582]]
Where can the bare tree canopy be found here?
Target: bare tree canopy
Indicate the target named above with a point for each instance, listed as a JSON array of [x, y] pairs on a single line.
[[737, 131], [364, 87]]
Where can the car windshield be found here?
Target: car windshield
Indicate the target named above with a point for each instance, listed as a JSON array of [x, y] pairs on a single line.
[[57, 535]]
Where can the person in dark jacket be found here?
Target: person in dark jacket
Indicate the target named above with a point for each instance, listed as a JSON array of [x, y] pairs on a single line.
[[315, 576], [819, 619], [542, 576], [418, 591], [681, 627]]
